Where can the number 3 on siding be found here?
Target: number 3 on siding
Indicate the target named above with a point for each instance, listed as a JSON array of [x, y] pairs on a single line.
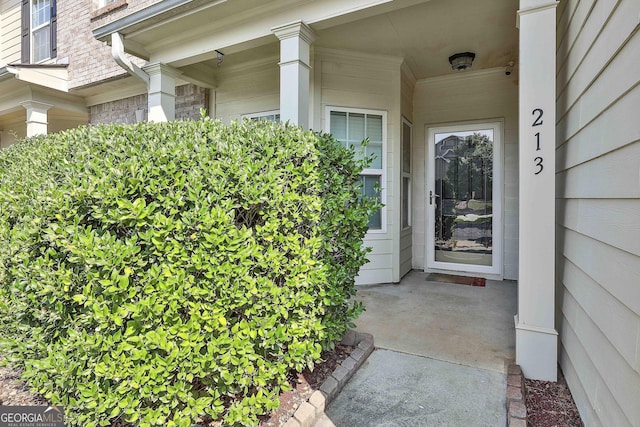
[[538, 161]]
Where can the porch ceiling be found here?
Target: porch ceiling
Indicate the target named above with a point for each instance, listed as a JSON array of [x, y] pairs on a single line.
[[427, 34], [424, 32]]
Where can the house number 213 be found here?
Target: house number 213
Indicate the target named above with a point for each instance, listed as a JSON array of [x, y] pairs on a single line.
[[537, 114]]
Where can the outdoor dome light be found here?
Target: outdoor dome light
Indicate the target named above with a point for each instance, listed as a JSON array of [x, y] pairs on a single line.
[[461, 61]]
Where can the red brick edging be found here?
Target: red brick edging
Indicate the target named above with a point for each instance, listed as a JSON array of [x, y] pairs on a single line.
[[516, 398], [308, 412]]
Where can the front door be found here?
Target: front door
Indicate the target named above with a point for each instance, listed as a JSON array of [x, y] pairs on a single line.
[[464, 195]]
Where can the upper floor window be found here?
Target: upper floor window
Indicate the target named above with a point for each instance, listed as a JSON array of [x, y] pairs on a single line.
[[39, 26]]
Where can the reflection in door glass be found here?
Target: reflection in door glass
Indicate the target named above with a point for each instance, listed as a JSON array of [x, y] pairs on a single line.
[[463, 197]]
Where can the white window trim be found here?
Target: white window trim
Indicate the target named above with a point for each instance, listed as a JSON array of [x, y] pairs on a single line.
[[375, 172], [32, 30], [260, 114], [404, 175]]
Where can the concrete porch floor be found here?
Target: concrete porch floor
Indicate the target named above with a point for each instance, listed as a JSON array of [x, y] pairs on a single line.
[[441, 357], [471, 326]]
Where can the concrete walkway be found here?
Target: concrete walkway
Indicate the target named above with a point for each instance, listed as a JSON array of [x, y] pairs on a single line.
[[441, 356]]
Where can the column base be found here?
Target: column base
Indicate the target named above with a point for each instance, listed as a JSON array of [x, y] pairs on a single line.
[[537, 351]]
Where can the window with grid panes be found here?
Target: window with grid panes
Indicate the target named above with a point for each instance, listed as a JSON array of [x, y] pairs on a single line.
[[352, 127]]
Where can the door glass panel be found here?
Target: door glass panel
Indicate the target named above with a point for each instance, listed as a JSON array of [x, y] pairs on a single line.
[[463, 197]]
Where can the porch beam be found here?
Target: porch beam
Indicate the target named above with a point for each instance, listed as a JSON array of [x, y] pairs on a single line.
[[295, 44], [536, 336]]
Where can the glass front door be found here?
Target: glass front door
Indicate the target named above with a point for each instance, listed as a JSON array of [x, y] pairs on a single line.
[[464, 221]]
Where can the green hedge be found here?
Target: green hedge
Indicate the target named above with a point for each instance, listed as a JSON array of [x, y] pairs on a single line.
[[157, 273]]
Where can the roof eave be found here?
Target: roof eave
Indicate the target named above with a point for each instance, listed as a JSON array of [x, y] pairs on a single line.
[[121, 25]]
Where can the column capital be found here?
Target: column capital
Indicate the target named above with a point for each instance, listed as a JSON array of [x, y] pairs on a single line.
[[36, 105], [295, 29], [532, 6], [160, 68]]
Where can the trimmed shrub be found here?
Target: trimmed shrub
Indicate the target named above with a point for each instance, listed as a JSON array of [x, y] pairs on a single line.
[[158, 273]]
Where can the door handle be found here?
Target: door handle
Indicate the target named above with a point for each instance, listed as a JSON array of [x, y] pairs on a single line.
[[431, 196]]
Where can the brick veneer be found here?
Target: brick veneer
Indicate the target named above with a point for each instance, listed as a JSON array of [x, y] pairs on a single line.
[[89, 60], [189, 100]]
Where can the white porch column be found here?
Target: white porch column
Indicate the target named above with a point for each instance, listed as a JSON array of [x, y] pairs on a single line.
[[536, 337], [36, 117], [295, 41], [162, 92]]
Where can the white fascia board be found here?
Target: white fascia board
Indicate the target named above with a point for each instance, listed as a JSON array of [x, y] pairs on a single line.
[[104, 32]]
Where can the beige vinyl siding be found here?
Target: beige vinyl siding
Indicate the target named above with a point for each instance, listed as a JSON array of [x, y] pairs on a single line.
[[247, 89], [598, 205], [10, 25], [481, 95], [352, 80], [408, 83]]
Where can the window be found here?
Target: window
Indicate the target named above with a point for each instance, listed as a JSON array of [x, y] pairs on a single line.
[[39, 26], [351, 127], [406, 175], [103, 3], [270, 116]]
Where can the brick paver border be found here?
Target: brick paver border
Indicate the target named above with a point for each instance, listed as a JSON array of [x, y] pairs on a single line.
[[308, 412], [516, 398]]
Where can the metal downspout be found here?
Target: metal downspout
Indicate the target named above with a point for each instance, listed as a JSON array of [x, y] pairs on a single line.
[[117, 51]]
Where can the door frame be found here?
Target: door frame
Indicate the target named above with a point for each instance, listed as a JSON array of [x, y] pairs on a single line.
[[495, 270]]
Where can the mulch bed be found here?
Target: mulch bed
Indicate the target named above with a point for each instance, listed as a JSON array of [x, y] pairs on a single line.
[[550, 404]]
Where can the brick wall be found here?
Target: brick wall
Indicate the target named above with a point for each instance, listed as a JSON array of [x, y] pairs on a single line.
[[90, 60], [120, 111], [189, 100]]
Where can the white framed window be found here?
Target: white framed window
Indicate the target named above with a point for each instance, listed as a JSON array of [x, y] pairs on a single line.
[[40, 30], [270, 116], [352, 126], [405, 207], [103, 3]]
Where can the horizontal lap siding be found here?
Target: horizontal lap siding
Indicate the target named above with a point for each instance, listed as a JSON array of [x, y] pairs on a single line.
[[406, 239], [248, 90], [354, 82], [10, 35], [598, 208]]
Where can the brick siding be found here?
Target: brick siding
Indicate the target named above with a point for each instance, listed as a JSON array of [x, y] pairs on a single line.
[[90, 60], [189, 100]]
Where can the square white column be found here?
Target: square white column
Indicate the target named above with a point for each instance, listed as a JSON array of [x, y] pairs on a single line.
[[162, 92], [536, 337], [295, 42], [36, 117]]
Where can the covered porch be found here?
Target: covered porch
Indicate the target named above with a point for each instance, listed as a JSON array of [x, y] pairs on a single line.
[[381, 70]]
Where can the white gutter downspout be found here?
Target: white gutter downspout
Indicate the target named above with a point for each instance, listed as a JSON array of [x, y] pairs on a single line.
[[117, 51]]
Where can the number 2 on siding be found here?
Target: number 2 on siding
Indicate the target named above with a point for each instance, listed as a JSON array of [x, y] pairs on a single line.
[[538, 120]]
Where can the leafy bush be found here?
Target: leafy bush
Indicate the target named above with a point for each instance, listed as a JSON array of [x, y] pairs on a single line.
[[156, 273]]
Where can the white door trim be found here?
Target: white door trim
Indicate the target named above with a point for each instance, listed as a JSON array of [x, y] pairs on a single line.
[[495, 270]]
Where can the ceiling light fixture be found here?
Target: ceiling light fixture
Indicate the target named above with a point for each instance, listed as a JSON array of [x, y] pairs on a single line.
[[461, 61]]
